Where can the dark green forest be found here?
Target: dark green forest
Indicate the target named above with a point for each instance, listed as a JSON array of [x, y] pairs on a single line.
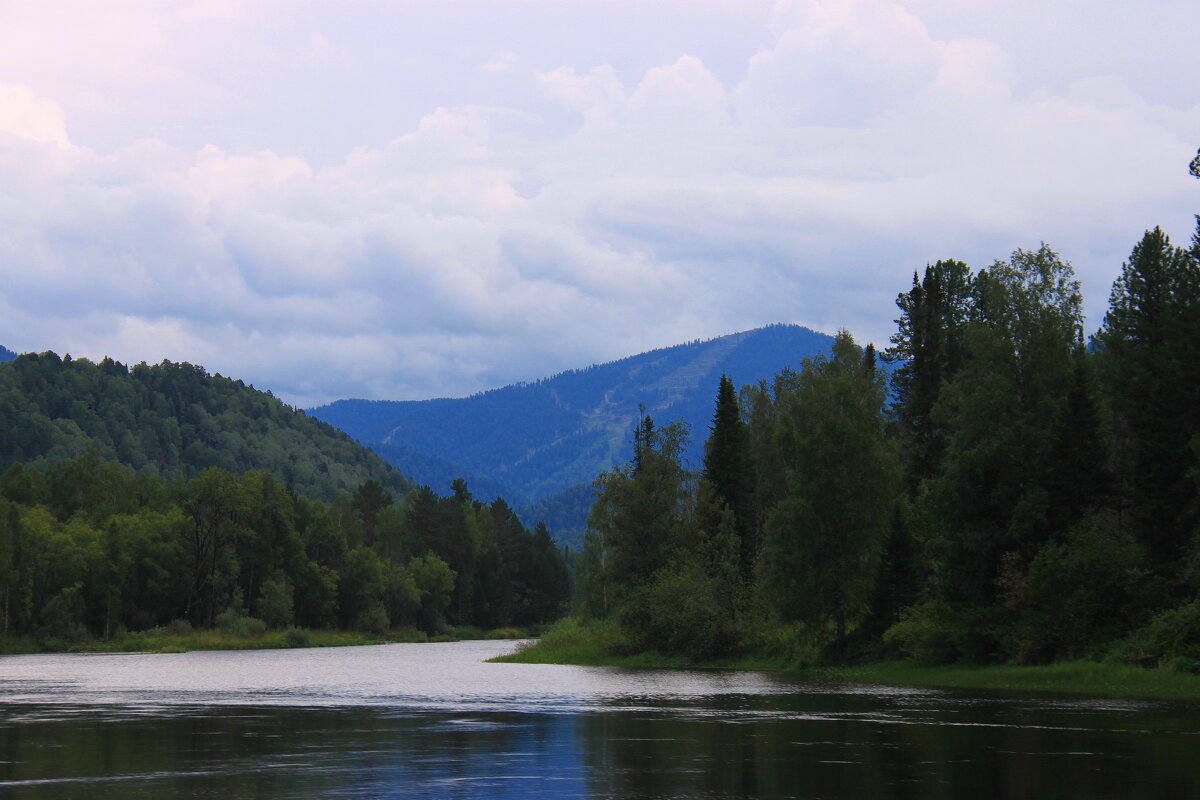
[[174, 420], [163, 496], [1014, 492]]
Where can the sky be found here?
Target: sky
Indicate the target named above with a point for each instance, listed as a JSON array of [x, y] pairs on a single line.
[[404, 199]]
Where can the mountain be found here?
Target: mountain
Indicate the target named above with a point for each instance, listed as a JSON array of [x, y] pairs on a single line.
[[6, 355], [533, 442], [174, 420]]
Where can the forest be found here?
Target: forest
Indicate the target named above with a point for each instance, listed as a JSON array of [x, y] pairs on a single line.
[[173, 419], [1013, 492], [164, 497]]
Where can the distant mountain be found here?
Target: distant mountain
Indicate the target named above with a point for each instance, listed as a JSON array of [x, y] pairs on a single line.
[[6, 354], [174, 420], [532, 442]]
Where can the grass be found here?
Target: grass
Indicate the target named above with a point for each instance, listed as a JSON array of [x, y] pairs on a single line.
[[601, 644], [1090, 678], [164, 640]]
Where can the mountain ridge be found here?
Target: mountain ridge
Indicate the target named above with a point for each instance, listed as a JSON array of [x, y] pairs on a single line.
[[539, 439]]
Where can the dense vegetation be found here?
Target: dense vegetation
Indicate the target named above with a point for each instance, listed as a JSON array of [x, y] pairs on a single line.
[[1022, 497], [541, 444], [173, 420], [163, 496], [92, 549]]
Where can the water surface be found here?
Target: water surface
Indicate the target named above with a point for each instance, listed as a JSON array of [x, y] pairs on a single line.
[[435, 720]]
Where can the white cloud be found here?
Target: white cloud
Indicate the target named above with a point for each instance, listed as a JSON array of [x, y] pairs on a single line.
[[596, 210], [26, 115]]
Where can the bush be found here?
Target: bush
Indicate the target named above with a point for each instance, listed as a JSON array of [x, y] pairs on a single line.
[[235, 622], [275, 602], [61, 619], [1171, 640], [373, 619], [296, 637], [941, 633], [1077, 595], [179, 627]]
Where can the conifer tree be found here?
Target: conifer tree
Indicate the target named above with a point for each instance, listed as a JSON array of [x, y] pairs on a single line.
[[928, 351], [726, 469], [1151, 346]]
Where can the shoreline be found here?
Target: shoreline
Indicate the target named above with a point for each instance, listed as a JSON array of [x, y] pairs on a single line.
[[1080, 679], [161, 642]]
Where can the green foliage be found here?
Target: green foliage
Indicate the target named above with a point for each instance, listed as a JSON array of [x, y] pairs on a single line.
[[297, 637], [91, 549], [1150, 345], [727, 471], [1077, 594], [824, 539], [236, 622], [1171, 639], [275, 603], [173, 420]]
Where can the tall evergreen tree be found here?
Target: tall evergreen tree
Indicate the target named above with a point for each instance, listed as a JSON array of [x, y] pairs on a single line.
[[928, 350], [727, 470], [1150, 345]]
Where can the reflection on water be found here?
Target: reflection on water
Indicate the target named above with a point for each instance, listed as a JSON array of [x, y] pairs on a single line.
[[434, 720]]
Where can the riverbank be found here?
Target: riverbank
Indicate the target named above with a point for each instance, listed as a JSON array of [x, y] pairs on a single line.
[[164, 640], [601, 645]]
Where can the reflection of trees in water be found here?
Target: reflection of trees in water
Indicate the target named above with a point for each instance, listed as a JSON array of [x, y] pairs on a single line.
[[840, 746]]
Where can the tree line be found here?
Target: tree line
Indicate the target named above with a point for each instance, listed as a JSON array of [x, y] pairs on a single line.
[[1008, 490], [92, 548]]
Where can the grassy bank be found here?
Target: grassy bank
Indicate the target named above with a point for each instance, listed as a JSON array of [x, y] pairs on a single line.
[[570, 642], [162, 640]]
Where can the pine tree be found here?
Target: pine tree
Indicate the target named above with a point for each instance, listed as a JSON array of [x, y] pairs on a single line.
[[726, 469], [928, 350], [1151, 347]]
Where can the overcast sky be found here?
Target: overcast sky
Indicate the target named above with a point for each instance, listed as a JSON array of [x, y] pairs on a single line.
[[400, 199]]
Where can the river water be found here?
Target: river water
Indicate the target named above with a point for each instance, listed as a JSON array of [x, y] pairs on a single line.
[[436, 721]]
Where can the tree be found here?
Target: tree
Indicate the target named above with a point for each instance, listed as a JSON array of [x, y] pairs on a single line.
[[1150, 344], [928, 351], [727, 471], [825, 538]]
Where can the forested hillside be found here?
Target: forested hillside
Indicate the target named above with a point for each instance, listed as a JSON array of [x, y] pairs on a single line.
[[91, 549], [1022, 498], [541, 444], [173, 420]]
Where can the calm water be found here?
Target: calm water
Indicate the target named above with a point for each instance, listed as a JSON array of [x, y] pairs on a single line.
[[434, 720]]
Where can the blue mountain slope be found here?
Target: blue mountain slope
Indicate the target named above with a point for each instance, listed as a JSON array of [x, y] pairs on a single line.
[[539, 439], [7, 355]]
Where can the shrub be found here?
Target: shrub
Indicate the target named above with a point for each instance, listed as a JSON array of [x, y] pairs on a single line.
[[1171, 639], [235, 622], [373, 619], [275, 602], [296, 637], [179, 627]]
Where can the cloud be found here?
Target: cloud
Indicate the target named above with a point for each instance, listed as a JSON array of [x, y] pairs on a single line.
[[599, 211], [27, 116]]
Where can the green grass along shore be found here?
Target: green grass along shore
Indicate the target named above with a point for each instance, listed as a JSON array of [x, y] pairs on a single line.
[[570, 642], [164, 640]]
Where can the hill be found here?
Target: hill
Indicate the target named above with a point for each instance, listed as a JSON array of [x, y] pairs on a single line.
[[173, 420], [6, 355], [538, 443]]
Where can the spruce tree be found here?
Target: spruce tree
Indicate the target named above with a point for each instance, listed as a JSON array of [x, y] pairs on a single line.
[[726, 469], [1151, 347], [928, 351]]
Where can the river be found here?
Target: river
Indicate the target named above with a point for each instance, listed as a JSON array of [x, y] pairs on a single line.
[[437, 721]]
